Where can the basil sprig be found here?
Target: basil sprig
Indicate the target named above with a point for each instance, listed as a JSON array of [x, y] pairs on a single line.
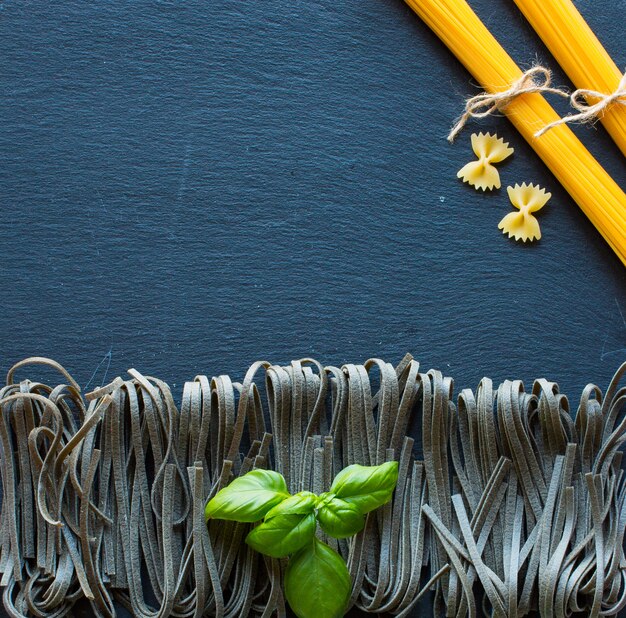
[[317, 582]]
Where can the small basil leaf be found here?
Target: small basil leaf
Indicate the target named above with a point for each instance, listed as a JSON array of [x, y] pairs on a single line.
[[338, 518], [249, 497], [317, 582], [288, 527], [302, 503], [367, 487], [282, 535]]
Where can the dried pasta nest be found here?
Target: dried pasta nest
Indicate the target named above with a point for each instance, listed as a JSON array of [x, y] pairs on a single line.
[[504, 505]]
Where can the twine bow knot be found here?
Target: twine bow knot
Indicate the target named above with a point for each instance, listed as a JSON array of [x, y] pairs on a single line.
[[586, 112], [537, 79]]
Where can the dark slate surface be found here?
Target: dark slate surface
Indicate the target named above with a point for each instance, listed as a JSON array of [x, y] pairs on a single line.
[[187, 187]]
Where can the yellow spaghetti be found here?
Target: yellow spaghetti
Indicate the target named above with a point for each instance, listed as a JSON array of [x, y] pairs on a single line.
[[581, 55], [597, 194]]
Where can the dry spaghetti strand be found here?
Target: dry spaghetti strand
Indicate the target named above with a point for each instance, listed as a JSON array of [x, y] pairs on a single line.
[[581, 55]]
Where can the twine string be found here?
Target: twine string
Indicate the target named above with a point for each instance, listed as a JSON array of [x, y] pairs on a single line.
[[586, 112], [536, 79]]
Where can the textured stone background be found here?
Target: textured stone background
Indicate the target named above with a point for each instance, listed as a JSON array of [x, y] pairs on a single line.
[[186, 187]]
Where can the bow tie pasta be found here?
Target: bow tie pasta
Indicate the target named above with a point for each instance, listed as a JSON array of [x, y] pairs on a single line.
[[489, 149], [523, 225]]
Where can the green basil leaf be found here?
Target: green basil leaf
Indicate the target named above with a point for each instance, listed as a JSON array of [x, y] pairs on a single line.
[[338, 518], [287, 527], [367, 487], [282, 535], [317, 582], [301, 503], [249, 497]]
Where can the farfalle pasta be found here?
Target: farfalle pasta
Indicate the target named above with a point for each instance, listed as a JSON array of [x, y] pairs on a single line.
[[523, 225], [489, 149]]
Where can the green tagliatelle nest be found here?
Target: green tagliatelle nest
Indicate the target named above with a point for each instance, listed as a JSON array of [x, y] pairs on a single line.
[[504, 505]]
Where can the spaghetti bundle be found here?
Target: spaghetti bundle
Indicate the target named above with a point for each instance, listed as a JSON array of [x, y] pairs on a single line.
[[506, 504], [581, 55], [597, 194]]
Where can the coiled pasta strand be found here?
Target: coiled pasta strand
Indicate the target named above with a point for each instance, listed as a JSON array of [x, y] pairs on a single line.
[[500, 491]]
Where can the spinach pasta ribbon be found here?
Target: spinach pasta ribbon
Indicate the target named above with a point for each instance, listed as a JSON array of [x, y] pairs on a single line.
[[500, 502]]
